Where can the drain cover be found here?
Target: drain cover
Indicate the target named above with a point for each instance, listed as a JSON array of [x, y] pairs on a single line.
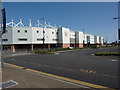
[[8, 84]]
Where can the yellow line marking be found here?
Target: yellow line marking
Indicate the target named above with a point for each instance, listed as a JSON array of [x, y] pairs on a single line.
[[69, 80], [13, 65], [64, 78], [88, 71], [108, 75], [12, 59]]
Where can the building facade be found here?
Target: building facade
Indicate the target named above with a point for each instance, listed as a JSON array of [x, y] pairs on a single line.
[[47, 36]]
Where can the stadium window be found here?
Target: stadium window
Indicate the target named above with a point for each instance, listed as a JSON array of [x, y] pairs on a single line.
[[39, 39], [52, 32], [37, 31], [18, 31], [25, 31], [22, 39], [4, 39], [55, 39]]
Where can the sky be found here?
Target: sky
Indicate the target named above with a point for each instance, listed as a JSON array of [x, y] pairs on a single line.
[[91, 17], [60, 0]]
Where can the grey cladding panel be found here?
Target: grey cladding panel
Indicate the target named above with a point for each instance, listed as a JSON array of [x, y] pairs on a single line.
[[72, 40]]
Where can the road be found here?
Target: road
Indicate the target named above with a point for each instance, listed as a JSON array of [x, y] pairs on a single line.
[[79, 64]]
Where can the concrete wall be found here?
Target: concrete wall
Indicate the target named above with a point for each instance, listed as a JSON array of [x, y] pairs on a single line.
[[79, 39], [8, 36], [64, 37], [102, 40], [92, 40], [34, 35], [89, 39], [72, 37], [37, 35], [18, 36], [96, 38], [50, 36]]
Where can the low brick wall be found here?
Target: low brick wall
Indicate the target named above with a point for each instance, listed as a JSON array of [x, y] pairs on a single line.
[[78, 45], [64, 45]]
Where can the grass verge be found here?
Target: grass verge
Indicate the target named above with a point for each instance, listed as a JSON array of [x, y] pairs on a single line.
[[107, 54], [43, 52], [61, 49]]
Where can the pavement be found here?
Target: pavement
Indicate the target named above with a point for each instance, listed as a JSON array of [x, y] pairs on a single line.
[[26, 79], [79, 66]]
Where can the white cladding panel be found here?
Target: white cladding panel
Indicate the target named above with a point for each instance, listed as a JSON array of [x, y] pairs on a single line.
[[34, 35], [30, 35], [79, 37], [72, 37], [22, 35], [92, 39], [50, 36], [7, 37], [85, 38], [63, 35], [96, 39], [66, 35], [72, 34], [88, 38], [102, 40], [37, 35]]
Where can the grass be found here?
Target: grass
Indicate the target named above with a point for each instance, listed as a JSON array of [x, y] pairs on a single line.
[[60, 49], [107, 54], [51, 51], [43, 52]]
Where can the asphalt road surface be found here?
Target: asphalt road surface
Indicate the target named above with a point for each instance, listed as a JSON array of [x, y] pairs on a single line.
[[80, 65]]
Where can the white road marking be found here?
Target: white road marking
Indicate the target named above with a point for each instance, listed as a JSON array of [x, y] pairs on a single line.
[[113, 60], [15, 83]]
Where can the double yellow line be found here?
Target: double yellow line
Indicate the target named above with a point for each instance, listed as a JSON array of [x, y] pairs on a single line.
[[63, 78]]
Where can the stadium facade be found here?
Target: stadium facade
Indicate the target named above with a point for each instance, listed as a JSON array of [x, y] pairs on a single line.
[[19, 36]]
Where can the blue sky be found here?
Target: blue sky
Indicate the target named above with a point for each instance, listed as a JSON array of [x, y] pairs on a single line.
[[95, 17]]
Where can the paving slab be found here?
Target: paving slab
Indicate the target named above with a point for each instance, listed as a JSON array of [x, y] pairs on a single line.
[[27, 79]]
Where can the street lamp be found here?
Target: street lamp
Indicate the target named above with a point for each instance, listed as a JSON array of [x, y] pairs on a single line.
[[83, 29], [43, 31], [3, 30], [118, 28]]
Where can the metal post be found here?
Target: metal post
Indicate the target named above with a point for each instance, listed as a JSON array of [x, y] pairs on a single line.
[[84, 37], [1, 65], [106, 38], [43, 32], [1, 45], [32, 47], [119, 23]]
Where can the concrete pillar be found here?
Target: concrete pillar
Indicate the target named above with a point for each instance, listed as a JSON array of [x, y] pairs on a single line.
[[13, 48], [65, 45], [74, 45], [32, 48], [78, 45], [48, 46], [56, 45]]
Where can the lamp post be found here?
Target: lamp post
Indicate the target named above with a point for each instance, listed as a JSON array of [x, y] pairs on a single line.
[[43, 31], [83, 36], [105, 38], [118, 18], [3, 30]]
